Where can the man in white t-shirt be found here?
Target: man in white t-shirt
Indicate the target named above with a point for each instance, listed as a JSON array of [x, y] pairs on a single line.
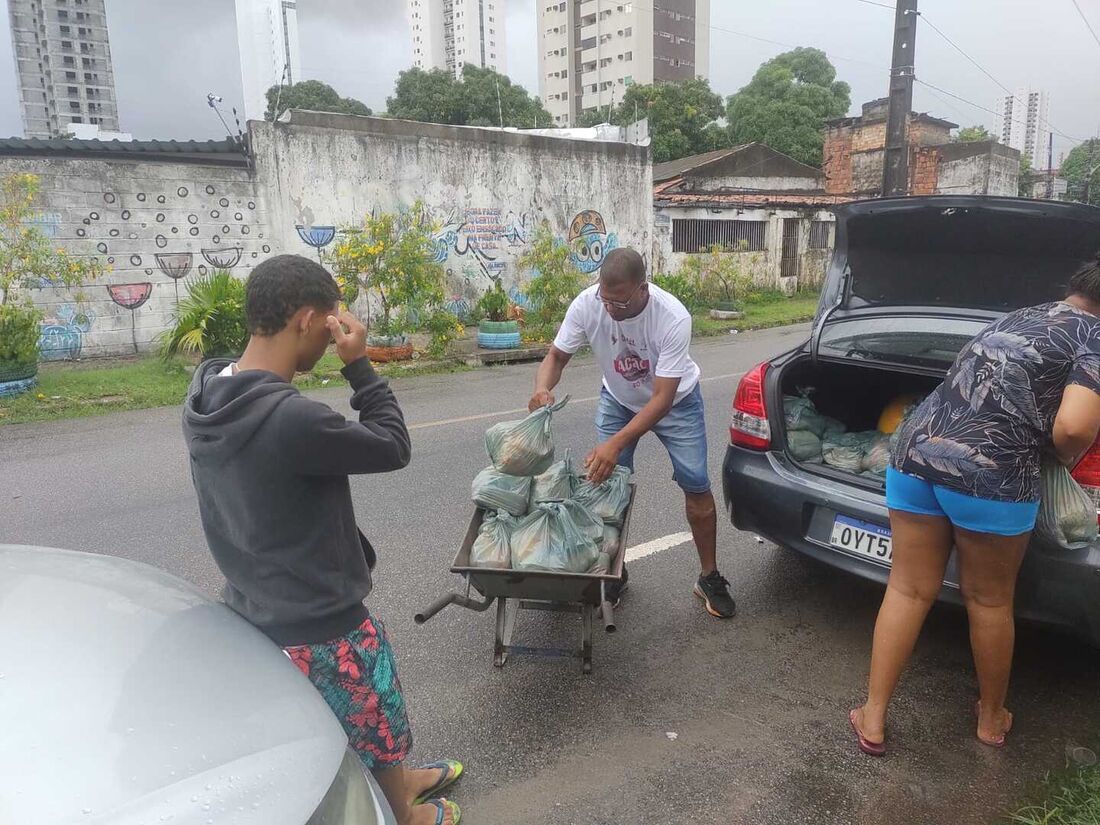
[[640, 336]]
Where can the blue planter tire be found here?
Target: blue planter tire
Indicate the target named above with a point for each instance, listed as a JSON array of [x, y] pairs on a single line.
[[16, 387], [498, 340]]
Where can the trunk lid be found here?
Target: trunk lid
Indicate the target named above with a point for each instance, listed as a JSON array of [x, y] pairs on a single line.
[[960, 260]]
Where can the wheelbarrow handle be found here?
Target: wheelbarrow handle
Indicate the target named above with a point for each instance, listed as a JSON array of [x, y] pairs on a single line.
[[449, 599], [607, 610]]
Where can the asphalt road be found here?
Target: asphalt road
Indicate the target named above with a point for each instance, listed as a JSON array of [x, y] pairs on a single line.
[[686, 719]]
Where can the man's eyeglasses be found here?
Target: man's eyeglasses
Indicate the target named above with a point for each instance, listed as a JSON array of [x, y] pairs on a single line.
[[619, 304]]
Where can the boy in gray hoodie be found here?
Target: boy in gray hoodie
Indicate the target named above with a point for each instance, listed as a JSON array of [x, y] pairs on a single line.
[[271, 468]]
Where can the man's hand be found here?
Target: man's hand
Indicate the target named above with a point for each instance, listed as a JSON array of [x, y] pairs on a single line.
[[350, 336], [601, 462], [540, 399]]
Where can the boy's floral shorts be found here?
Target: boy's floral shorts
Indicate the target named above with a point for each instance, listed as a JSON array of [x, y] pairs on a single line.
[[357, 676]]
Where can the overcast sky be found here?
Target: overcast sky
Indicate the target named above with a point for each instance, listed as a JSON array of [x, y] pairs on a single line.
[[169, 53]]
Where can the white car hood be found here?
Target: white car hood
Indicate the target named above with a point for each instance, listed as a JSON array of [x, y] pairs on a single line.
[[128, 697]]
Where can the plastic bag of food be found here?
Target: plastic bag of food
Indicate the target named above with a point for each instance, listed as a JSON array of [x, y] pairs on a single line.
[[845, 451], [587, 521], [492, 547], [877, 458], [609, 499], [523, 448], [804, 446], [548, 538], [1067, 515], [494, 490], [556, 484], [799, 413]]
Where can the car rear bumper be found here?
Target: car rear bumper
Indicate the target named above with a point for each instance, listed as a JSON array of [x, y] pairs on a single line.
[[769, 495]]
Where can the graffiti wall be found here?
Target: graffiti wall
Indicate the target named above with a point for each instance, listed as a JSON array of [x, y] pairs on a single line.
[[485, 190], [152, 226], [157, 225]]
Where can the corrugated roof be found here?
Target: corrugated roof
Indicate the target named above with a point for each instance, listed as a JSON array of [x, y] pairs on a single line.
[[676, 168], [227, 152], [746, 200]]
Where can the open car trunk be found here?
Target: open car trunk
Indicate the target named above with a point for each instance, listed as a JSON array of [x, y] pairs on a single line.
[[852, 397]]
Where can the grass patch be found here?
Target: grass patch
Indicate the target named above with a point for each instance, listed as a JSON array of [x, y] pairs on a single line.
[[75, 391], [1066, 799], [762, 310], [82, 390]]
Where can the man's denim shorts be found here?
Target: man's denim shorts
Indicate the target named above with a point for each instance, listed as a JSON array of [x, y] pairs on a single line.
[[683, 432]]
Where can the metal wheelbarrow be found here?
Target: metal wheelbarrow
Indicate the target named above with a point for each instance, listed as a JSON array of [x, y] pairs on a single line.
[[514, 590]]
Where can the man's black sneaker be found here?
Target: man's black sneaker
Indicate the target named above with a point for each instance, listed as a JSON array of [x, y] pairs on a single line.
[[715, 593]]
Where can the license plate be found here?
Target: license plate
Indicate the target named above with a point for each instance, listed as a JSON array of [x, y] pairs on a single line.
[[861, 538]]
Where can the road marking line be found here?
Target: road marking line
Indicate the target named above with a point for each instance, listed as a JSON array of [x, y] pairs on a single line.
[[482, 416], [640, 551]]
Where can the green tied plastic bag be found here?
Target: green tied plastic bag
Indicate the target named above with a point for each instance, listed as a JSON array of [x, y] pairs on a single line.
[[493, 545], [549, 539], [523, 448], [1067, 514], [494, 490], [608, 500], [556, 484]]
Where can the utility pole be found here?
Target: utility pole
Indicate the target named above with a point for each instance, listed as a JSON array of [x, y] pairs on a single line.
[[895, 172], [1050, 168]]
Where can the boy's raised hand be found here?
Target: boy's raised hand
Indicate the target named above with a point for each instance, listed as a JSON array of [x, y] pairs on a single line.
[[350, 336]]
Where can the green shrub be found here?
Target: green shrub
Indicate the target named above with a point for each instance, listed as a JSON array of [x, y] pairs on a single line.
[[556, 280], [494, 304], [682, 287], [210, 319], [19, 333], [445, 329]]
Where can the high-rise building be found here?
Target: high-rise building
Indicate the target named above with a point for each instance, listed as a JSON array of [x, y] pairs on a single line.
[[448, 34], [63, 65], [267, 37], [590, 51], [1026, 127]]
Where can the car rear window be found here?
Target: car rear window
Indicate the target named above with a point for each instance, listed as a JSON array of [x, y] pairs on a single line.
[[931, 343]]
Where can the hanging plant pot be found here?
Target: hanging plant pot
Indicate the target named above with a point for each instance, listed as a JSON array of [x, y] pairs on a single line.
[[383, 348], [498, 334]]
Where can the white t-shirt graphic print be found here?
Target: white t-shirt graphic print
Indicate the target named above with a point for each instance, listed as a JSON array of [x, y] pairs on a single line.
[[631, 353]]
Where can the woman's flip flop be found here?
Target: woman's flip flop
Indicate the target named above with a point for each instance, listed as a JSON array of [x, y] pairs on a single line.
[[867, 746], [999, 741], [442, 806], [451, 772]]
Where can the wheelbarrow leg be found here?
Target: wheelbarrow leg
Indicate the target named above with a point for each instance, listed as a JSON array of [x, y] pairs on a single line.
[[500, 649], [586, 639]]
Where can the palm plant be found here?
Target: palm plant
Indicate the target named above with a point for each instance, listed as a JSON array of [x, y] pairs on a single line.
[[209, 320]]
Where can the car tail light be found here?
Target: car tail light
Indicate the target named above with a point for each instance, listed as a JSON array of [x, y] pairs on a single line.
[[1087, 474], [749, 423]]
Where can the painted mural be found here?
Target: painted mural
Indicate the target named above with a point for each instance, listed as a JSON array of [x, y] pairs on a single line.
[[590, 241], [144, 238]]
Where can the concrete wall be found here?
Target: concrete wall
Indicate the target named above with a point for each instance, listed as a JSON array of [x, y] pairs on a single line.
[[149, 221], [764, 266], [765, 184], [486, 189], [145, 221]]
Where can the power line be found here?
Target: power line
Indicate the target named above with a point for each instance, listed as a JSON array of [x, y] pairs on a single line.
[[1088, 25], [880, 5], [988, 74]]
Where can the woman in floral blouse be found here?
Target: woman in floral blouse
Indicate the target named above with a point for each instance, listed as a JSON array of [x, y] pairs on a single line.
[[965, 474]]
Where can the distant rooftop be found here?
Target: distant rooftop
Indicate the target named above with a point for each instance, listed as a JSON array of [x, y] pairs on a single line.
[[226, 152]]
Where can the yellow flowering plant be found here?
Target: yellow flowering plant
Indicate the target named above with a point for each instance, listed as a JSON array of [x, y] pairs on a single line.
[[28, 261], [391, 257]]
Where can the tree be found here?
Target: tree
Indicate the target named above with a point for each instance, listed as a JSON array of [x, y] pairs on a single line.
[[973, 134], [1027, 177], [481, 97], [681, 117], [312, 95], [786, 104], [1081, 169]]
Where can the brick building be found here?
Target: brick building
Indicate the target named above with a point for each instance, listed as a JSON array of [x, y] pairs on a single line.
[[855, 152]]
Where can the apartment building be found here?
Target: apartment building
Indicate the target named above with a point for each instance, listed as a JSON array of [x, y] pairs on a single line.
[[590, 51], [63, 66], [448, 34]]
